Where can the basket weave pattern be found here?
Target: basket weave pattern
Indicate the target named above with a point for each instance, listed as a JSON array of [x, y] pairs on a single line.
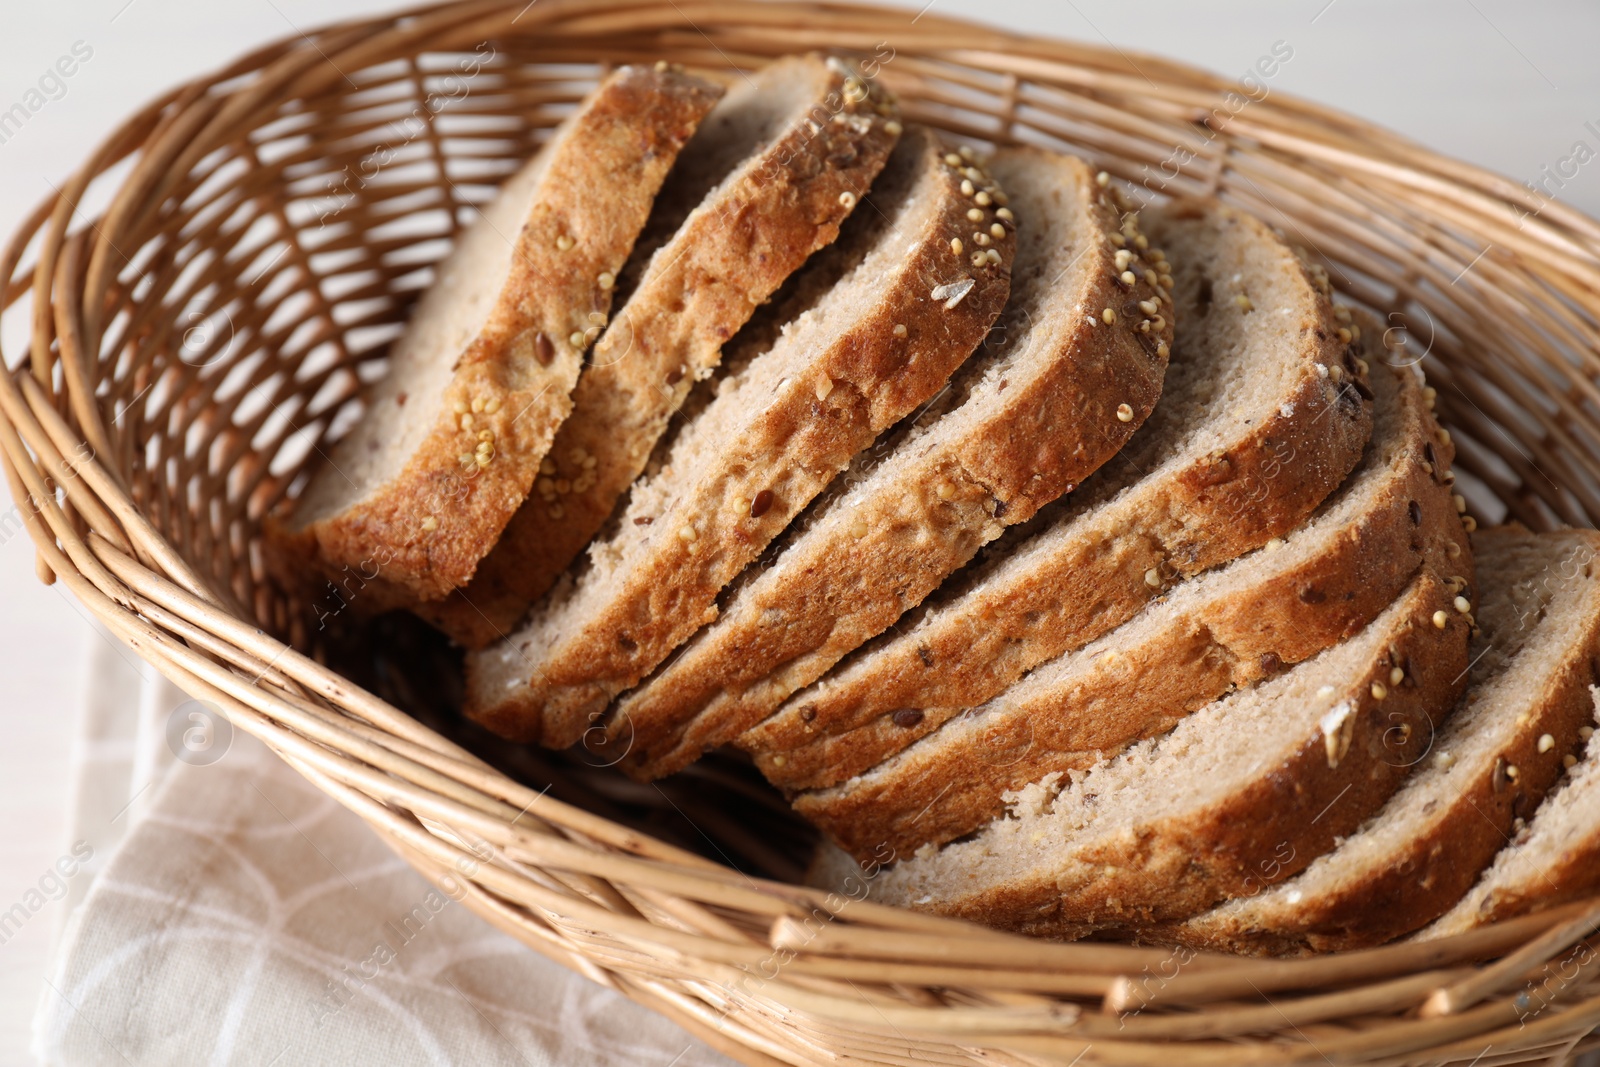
[[194, 348]]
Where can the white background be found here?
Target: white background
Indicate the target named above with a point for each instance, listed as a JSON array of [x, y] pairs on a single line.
[[1504, 84]]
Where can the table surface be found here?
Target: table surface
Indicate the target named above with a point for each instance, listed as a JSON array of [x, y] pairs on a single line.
[[1506, 85]]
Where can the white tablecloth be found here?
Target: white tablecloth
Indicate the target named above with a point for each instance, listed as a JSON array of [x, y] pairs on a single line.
[[229, 913]]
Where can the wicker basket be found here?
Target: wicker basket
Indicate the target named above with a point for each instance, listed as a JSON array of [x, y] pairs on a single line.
[[194, 346]]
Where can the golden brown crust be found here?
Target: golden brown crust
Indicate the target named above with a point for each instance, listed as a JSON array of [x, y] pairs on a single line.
[[1213, 510], [1277, 474], [426, 530], [1177, 866], [1434, 870], [1575, 874], [852, 576], [895, 354], [728, 257], [1142, 691]]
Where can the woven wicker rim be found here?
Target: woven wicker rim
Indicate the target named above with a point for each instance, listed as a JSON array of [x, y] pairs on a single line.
[[147, 467]]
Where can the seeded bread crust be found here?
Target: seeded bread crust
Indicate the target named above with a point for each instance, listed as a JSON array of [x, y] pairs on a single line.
[[1552, 860], [1087, 571], [771, 441], [735, 249], [425, 530], [1431, 852], [1141, 680], [1074, 390], [1319, 778]]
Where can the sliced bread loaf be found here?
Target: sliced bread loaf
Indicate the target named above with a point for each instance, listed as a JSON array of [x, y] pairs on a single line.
[[1230, 628], [1261, 417], [873, 345], [800, 141], [1555, 858], [1255, 785], [1076, 365], [453, 435], [1529, 694]]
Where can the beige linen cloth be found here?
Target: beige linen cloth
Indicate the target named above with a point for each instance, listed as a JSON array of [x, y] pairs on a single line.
[[231, 914]]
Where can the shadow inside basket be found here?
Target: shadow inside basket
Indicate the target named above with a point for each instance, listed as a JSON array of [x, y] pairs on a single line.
[[720, 807]]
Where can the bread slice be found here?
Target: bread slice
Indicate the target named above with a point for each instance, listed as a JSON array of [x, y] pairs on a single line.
[[1230, 628], [874, 344], [1551, 860], [1253, 786], [797, 143], [1261, 418], [1052, 398], [1532, 666], [453, 435]]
